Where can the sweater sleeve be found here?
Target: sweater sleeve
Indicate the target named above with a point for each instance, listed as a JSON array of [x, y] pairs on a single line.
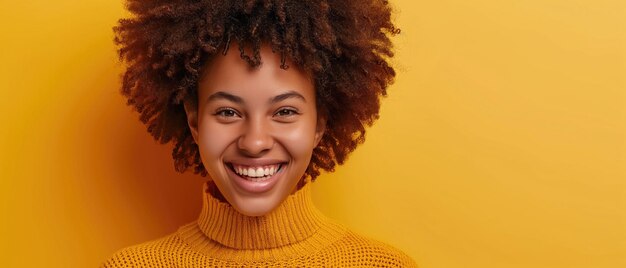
[[390, 256], [155, 253], [121, 258]]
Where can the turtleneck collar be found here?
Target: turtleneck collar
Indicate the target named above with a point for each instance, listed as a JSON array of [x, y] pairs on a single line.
[[292, 221]]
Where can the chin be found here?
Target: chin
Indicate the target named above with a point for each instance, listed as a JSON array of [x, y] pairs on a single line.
[[256, 206]]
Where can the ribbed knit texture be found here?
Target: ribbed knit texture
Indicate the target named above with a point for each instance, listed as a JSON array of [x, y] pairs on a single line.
[[295, 234]]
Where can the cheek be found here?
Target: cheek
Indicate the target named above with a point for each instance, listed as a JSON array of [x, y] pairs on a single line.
[[298, 139], [214, 140]]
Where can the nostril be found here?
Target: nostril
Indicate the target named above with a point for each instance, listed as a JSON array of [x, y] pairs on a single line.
[[255, 146]]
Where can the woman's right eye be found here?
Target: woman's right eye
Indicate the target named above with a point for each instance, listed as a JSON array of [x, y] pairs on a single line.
[[226, 113]]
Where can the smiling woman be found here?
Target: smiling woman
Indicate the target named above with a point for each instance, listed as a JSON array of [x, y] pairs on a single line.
[[260, 122], [255, 129]]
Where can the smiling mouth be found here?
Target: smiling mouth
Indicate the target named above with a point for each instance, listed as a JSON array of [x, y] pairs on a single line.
[[256, 173]]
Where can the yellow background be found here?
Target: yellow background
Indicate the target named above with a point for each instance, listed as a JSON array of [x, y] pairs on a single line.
[[502, 144]]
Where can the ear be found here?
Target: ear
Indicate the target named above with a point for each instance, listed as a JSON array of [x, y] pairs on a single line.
[[191, 109], [320, 128]]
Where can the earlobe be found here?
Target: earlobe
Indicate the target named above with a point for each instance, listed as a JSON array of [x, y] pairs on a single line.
[[192, 119]]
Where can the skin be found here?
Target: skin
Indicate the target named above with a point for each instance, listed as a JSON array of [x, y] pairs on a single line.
[[236, 121]]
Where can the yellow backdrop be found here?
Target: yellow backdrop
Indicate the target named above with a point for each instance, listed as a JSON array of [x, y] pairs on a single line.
[[502, 144]]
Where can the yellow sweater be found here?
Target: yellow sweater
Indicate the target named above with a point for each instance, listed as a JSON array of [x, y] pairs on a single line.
[[295, 234]]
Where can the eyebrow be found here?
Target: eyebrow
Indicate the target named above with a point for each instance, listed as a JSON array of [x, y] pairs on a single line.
[[287, 95], [236, 99], [223, 95]]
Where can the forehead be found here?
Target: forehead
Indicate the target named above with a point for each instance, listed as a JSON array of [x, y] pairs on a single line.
[[230, 73]]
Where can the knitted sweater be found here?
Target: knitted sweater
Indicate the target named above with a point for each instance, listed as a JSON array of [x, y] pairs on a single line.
[[295, 234]]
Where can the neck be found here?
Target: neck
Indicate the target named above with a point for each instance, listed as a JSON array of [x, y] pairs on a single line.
[[292, 221]]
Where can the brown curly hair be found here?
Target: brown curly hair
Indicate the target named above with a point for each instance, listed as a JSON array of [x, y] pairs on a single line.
[[344, 45]]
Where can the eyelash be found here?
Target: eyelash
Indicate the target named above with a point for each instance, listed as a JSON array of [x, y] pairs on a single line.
[[292, 111], [220, 112]]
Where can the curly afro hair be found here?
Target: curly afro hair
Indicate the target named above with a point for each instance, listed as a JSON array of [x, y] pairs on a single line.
[[344, 45]]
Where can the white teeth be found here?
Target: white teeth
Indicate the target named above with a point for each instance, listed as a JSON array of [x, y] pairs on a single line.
[[256, 172]]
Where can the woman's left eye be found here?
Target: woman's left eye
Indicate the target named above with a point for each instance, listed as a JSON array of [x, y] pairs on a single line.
[[286, 112]]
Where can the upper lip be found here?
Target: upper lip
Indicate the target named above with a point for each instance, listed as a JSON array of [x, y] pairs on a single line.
[[256, 162]]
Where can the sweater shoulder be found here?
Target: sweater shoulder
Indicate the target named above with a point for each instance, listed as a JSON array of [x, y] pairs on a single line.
[[366, 251], [153, 253], [349, 250]]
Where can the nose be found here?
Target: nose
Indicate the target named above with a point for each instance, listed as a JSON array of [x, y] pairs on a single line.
[[255, 139]]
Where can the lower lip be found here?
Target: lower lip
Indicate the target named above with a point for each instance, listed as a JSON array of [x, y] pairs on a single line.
[[256, 186]]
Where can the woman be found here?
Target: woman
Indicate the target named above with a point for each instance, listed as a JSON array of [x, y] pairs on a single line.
[[258, 96]]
